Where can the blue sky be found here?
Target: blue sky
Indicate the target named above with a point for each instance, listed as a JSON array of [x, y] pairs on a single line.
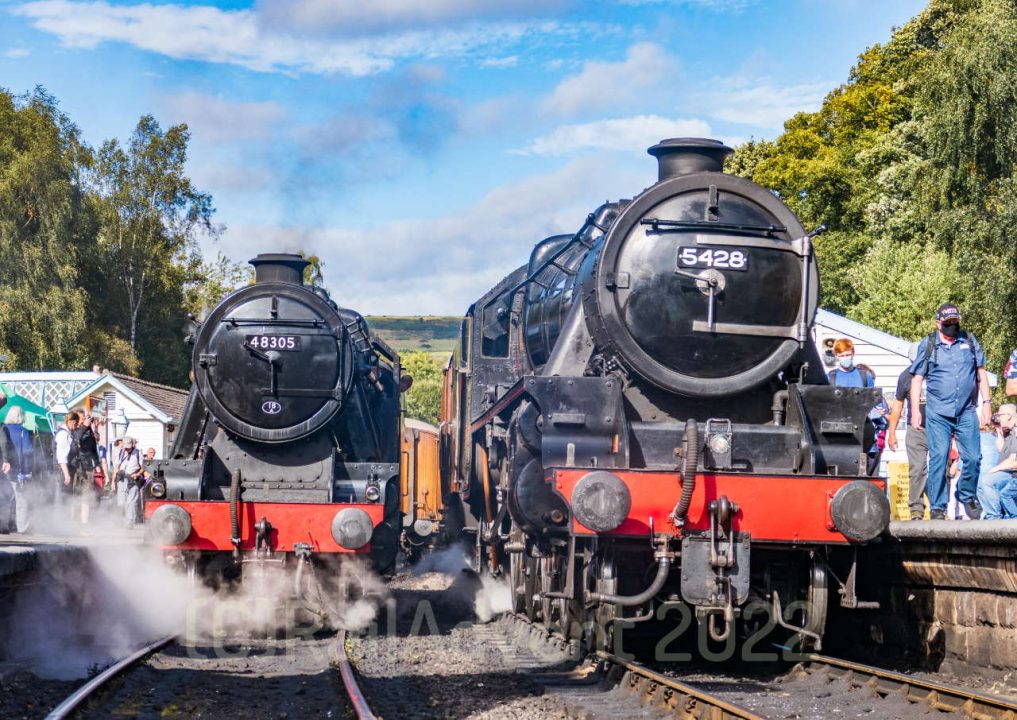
[[421, 147]]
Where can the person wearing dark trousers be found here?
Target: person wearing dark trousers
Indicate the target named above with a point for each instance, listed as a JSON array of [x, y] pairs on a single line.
[[952, 364], [915, 441], [19, 450]]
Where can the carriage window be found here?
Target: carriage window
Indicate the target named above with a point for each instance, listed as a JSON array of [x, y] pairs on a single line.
[[464, 342], [495, 328]]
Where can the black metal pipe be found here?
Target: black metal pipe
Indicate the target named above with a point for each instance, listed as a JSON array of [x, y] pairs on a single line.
[[779, 406], [235, 512], [690, 463], [663, 569]]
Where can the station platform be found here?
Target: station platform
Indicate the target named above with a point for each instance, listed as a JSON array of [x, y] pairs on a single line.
[[24, 553], [1002, 532]]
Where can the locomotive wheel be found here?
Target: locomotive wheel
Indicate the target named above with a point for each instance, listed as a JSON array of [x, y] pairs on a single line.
[[517, 576], [601, 629], [818, 599], [530, 588], [544, 585]]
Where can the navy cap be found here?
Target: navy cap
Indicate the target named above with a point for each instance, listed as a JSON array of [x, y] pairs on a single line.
[[947, 311]]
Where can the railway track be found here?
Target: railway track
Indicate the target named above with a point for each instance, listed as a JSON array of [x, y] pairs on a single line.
[[938, 696], [78, 697], [606, 685], [356, 695], [76, 701]]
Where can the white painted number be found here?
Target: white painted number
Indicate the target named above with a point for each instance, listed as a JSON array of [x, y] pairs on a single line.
[[273, 342], [722, 259]]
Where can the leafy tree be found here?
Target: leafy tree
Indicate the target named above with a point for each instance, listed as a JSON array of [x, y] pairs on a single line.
[[423, 399], [314, 274], [43, 227], [211, 281], [150, 213]]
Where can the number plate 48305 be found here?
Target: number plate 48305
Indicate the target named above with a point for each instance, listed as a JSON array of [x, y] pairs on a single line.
[[719, 259]]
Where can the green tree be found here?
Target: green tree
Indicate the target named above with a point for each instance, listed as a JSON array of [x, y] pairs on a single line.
[[314, 274], [150, 218], [43, 230], [150, 213], [423, 400], [211, 281]]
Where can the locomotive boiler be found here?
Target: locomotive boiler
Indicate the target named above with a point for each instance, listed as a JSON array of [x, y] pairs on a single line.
[[289, 444], [638, 415]]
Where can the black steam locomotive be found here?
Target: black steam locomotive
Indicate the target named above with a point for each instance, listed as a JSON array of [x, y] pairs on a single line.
[[639, 415], [288, 448]]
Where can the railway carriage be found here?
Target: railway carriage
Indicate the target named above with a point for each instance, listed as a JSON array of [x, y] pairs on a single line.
[[638, 415]]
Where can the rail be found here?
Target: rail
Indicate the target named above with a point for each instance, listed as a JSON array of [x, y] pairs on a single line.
[[940, 697], [685, 701], [83, 693], [356, 695]]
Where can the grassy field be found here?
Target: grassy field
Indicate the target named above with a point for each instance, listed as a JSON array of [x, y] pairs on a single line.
[[432, 334]]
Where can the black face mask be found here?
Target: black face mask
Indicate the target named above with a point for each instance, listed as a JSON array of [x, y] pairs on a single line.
[[951, 331]]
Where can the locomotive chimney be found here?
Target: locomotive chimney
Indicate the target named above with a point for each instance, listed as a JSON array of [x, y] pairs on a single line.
[[684, 156], [279, 267]]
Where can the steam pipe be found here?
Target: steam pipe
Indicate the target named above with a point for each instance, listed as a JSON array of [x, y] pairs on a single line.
[[779, 406], [663, 569]]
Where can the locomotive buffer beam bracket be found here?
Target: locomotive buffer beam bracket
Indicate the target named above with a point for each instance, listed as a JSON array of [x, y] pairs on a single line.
[[847, 590], [715, 570]]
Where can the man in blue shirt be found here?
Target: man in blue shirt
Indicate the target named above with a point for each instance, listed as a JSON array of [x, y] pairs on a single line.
[[957, 402]]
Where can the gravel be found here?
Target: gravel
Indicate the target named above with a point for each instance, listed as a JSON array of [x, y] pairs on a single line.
[[431, 658], [25, 695], [275, 679]]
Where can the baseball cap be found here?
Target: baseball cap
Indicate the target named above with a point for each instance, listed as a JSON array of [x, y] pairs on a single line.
[[948, 311]]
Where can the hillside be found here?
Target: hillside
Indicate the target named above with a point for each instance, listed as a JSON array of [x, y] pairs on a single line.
[[431, 334]]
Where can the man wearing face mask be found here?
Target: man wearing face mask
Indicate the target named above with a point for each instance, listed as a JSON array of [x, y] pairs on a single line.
[[952, 364], [847, 373]]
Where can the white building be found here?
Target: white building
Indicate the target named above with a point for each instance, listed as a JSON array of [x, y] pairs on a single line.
[[153, 410]]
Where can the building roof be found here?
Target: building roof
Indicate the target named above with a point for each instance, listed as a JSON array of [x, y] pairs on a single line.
[[872, 336], [858, 331], [168, 399]]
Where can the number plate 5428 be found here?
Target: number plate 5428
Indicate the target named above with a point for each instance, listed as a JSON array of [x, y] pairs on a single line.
[[720, 259]]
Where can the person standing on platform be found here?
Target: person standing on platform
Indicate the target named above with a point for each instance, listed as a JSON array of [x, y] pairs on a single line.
[[67, 456], [119, 486], [131, 475], [915, 442], [20, 454], [1010, 374], [848, 374], [88, 461], [952, 364]]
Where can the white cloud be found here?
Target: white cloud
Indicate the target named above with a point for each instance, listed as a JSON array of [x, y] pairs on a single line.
[[602, 85], [214, 119], [438, 265], [763, 103], [239, 37], [17, 53], [503, 62], [359, 18], [619, 134]]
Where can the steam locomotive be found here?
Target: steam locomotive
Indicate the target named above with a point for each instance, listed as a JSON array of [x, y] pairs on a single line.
[[288, 451], [639, 416]]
